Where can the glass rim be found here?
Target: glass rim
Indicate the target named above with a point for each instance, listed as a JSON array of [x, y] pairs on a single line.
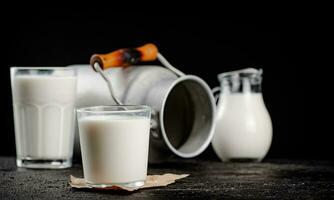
[[42, 68], [98, 109]]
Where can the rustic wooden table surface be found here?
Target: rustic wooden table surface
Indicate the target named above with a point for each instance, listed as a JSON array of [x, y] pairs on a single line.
[[272, 179]]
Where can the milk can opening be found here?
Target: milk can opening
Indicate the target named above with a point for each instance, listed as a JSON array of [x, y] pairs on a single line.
[[188, 117]]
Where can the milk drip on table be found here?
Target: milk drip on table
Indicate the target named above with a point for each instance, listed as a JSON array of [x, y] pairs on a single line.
[[243, 125]]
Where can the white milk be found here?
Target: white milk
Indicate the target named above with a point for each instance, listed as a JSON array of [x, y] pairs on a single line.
[[243, 127], [114, 149], [43, 115]]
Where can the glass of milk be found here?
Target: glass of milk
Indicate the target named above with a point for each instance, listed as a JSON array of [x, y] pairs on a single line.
[[114, 144], [44, 115]]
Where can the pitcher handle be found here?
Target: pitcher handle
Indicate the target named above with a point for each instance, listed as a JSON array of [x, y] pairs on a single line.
[[216, 93]]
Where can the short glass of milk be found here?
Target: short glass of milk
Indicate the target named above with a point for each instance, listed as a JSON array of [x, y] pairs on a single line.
[[44, 115], [114, 144]]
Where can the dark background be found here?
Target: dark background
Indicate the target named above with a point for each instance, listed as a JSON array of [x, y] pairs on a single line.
[[199, 45]]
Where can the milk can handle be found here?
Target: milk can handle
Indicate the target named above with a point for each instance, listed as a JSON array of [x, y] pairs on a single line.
[[216, 93], [125, 56], [131, 56]]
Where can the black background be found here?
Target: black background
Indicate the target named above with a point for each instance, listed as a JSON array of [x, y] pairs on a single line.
[[199, 45]]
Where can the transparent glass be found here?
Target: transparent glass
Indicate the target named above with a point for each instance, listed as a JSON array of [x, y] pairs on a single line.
[[243, 125], [114, 144], [44, 115]]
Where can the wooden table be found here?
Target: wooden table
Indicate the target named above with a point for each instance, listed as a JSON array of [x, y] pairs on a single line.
[[273, 179]]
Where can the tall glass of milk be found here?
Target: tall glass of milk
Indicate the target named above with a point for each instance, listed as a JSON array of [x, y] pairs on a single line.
[[44, 115], [114, 144], [243, 125]]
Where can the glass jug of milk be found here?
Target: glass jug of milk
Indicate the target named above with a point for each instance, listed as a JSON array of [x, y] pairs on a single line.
[[243, 125]]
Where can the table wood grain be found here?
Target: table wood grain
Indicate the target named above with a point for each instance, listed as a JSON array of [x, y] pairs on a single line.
[[211, 179]]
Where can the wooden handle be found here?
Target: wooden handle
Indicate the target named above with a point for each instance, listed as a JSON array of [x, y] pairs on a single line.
[[125, 57]]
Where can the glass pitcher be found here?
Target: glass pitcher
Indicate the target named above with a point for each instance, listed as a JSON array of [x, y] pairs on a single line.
[[243, 125]]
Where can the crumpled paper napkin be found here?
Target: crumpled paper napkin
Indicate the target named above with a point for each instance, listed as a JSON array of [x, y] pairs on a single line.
[[151, 182]]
